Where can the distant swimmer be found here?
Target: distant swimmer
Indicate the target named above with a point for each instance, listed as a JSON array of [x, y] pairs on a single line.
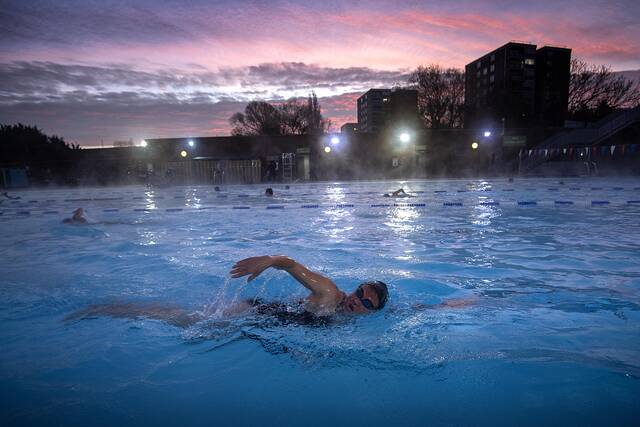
[[268, 192], [5, 194], [398, 193], [77, 217]]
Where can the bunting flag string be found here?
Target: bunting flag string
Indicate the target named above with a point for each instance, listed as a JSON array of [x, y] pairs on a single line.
[[573, 153]]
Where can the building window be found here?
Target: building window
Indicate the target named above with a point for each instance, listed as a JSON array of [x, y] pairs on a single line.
[[529, 61], [478, 64], [484, 71], [493, 67], [491, 78], [493, 57]]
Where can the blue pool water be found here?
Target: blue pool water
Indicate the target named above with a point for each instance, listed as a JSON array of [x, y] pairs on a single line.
[[552, 336]]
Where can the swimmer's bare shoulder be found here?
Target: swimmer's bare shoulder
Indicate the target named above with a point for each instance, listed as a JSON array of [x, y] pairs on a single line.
[[325, 295]]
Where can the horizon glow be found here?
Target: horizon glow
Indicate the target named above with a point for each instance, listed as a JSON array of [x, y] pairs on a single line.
[[160, 69]]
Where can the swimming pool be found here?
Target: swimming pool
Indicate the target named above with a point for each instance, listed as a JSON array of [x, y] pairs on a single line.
[[552, 337]]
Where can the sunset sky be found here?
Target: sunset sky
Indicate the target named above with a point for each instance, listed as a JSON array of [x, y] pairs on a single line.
[[93, 71]]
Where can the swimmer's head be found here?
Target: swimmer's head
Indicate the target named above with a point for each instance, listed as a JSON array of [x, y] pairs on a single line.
[[368, 297], [78, 213], [268, 192]]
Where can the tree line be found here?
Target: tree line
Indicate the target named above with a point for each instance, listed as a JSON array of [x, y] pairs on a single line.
[[292, 117], [594, 92], [47, 158]]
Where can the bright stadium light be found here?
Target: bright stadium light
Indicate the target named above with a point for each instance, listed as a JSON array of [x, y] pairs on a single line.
[[143, 143], [183, 153], [335, 140], [191, 143], [474, 145], [487, 133], [405, 137], [327, 149]]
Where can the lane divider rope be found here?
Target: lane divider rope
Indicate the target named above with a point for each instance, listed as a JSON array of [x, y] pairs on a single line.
[[456, 204], [224, 196]]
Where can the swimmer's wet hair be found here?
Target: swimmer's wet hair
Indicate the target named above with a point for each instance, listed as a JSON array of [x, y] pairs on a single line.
[[381, 291]]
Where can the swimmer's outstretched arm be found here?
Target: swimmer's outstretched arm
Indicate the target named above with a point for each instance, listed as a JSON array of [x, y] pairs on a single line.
[[450, 303], [317, 283]]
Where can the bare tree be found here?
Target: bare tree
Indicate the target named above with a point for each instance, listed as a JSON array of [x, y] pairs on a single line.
[[440, 95], [317, 124], [594, 91], [292, 117], [259, 118]]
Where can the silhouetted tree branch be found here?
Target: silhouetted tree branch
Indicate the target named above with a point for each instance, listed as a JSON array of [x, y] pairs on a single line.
[[293, 117], [594, 91], [440, 95]]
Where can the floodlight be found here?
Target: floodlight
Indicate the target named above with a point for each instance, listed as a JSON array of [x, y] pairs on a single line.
[[327, 149], [474, 145]]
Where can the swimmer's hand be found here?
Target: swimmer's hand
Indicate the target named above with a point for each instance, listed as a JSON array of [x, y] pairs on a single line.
[[251, 266]]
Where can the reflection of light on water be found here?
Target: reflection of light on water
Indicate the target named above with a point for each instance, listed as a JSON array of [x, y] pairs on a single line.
[[150, 238], [483, 214], [402, 220], [192, 199], [334, 223], [335, 194], [150, 199], [479, 186]]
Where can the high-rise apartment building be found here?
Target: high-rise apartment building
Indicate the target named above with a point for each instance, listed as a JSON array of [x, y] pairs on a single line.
[[518, 87], [500, 87], [553, 65], [378, 109]]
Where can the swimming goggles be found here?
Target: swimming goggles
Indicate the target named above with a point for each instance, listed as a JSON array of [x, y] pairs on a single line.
[[365, 301]]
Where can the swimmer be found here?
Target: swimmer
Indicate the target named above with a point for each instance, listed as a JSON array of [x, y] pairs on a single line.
[[216, 188], [324, 301], [510, 179], [325, 297], [398, 193], [5, 194], [268, 192], [77, 218], [286, 187]]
